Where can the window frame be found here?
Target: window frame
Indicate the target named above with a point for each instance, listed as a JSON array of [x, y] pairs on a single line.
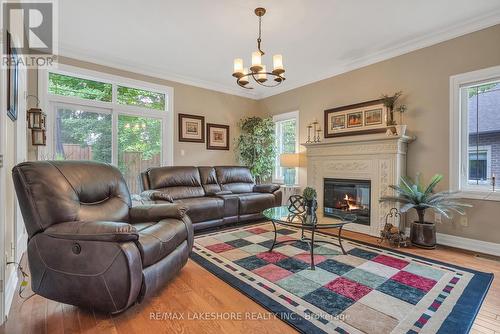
[[292, 115], [48, 102], [459, 145]]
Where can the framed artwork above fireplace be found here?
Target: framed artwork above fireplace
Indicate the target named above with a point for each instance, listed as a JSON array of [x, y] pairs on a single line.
[[361, 118]]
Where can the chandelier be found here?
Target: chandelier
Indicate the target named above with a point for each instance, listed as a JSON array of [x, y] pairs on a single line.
[[258, 71]]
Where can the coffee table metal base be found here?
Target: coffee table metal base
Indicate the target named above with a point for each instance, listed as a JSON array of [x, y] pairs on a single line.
[[310, 241]]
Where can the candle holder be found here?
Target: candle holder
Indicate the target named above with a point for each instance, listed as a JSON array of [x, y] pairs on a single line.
[[317, 138], [309, 127]]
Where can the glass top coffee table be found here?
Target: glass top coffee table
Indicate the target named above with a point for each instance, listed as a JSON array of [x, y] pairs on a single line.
[[283, 216]]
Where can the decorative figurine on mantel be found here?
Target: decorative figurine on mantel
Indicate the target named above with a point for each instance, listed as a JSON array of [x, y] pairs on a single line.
[[391, 233], [316, 132]]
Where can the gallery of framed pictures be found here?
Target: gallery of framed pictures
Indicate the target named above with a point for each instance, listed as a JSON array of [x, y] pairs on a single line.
[[361, 118], [192, 129]]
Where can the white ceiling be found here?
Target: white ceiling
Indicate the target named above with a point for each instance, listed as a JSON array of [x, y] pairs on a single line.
[[195, 41]]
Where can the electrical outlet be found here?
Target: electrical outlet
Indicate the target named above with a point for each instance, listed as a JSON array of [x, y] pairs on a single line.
[[437, 217], [464, 221]]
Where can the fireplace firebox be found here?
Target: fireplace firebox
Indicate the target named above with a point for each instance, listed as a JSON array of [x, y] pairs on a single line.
[[343, 195]]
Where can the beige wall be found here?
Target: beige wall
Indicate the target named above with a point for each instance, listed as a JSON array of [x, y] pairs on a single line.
[[219, 108], [423, 76]]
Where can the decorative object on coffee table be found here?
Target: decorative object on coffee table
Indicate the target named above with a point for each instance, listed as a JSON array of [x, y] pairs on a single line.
[[360, 118], [255, 146], [391, 233], [217, 137], [191, 128], [281, 215], [413, 195], [311, 204]]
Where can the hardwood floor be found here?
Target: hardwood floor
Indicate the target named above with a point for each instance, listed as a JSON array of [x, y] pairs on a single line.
[[195, 292]]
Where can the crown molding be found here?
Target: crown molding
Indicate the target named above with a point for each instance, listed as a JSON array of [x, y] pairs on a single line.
[[463, 28], [71, 51]]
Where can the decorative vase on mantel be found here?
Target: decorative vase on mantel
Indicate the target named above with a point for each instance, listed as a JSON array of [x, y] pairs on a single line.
[[400, 129]]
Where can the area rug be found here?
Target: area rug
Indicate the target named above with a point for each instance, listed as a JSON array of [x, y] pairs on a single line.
[[370, 290]]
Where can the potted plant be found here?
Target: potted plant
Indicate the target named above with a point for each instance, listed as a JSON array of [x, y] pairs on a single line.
[[389, 102], [413, 195], [256, 147], [310, 203], [401, 127]]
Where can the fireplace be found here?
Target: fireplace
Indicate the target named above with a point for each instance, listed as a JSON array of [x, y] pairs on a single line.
[[344, 195]]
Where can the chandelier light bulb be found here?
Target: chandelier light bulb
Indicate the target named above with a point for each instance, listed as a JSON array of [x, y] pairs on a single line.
[[278, 64], [238, 68], [256, 62], [262, 76], [244, 79]]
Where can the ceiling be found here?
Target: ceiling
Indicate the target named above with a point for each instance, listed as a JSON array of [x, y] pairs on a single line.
[[195, 41]]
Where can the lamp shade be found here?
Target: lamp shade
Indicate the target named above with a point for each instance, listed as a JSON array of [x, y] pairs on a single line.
[[290, 160]]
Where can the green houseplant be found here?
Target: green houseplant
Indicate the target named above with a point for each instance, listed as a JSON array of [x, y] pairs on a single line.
[[255, 146], [412, 194]]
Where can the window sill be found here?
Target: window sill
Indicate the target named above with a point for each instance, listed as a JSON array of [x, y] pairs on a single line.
[[479, 194]]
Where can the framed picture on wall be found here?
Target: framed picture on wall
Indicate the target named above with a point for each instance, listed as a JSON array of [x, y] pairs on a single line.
[[13, 80], [191, 128], [355, 119], [218, 137]]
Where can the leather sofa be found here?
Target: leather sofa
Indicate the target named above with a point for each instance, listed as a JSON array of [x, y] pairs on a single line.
[[214, 196], [87, 246]]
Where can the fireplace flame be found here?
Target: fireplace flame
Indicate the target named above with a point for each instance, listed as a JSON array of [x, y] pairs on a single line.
[[351, 203]]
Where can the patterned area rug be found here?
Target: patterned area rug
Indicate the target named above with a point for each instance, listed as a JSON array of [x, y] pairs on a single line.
[[370, 290]]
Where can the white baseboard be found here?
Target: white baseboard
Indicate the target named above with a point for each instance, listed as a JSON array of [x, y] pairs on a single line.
[[468, 244], [474, 245], [10, 290]]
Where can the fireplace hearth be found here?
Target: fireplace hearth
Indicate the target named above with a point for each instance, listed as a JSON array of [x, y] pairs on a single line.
[[345, 195]]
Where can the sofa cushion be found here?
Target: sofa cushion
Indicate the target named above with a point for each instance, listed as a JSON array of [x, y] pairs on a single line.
[[177, 182], [203, 208], [235, 179], [255, 202], [158, 240], [209, 180]]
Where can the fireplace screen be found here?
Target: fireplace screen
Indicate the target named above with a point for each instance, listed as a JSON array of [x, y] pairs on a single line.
[[343, 195]]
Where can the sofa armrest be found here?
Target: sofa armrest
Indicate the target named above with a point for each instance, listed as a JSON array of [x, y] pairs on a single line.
[[156, 212], [93, 231], [265, 188], [156, 195]]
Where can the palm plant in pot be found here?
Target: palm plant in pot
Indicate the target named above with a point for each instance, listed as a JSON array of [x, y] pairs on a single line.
[[412, 194]]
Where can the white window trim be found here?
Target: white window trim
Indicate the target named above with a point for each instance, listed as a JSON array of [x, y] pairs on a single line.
[[487, 149], [459, 136], [285, 117], [47, 102]]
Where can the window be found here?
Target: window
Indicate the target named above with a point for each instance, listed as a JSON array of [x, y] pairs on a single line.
[[93, 116], [66, 85], [286, 131], [475, 133]]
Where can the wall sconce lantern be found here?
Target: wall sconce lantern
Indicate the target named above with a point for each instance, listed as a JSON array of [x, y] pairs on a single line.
[[38, 137], [36, 122], [36, 119]]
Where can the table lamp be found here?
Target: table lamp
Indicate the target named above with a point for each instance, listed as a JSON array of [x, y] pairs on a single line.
[[289, 161]]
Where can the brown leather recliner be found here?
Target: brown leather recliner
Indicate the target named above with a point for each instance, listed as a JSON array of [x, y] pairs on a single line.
[[87, 245], [214, 196]]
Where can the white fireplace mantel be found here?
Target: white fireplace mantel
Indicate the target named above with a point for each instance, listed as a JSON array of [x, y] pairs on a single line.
[[376, 157]]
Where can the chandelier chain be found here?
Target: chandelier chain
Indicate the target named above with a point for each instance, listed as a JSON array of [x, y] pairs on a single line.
[[259, 40]]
